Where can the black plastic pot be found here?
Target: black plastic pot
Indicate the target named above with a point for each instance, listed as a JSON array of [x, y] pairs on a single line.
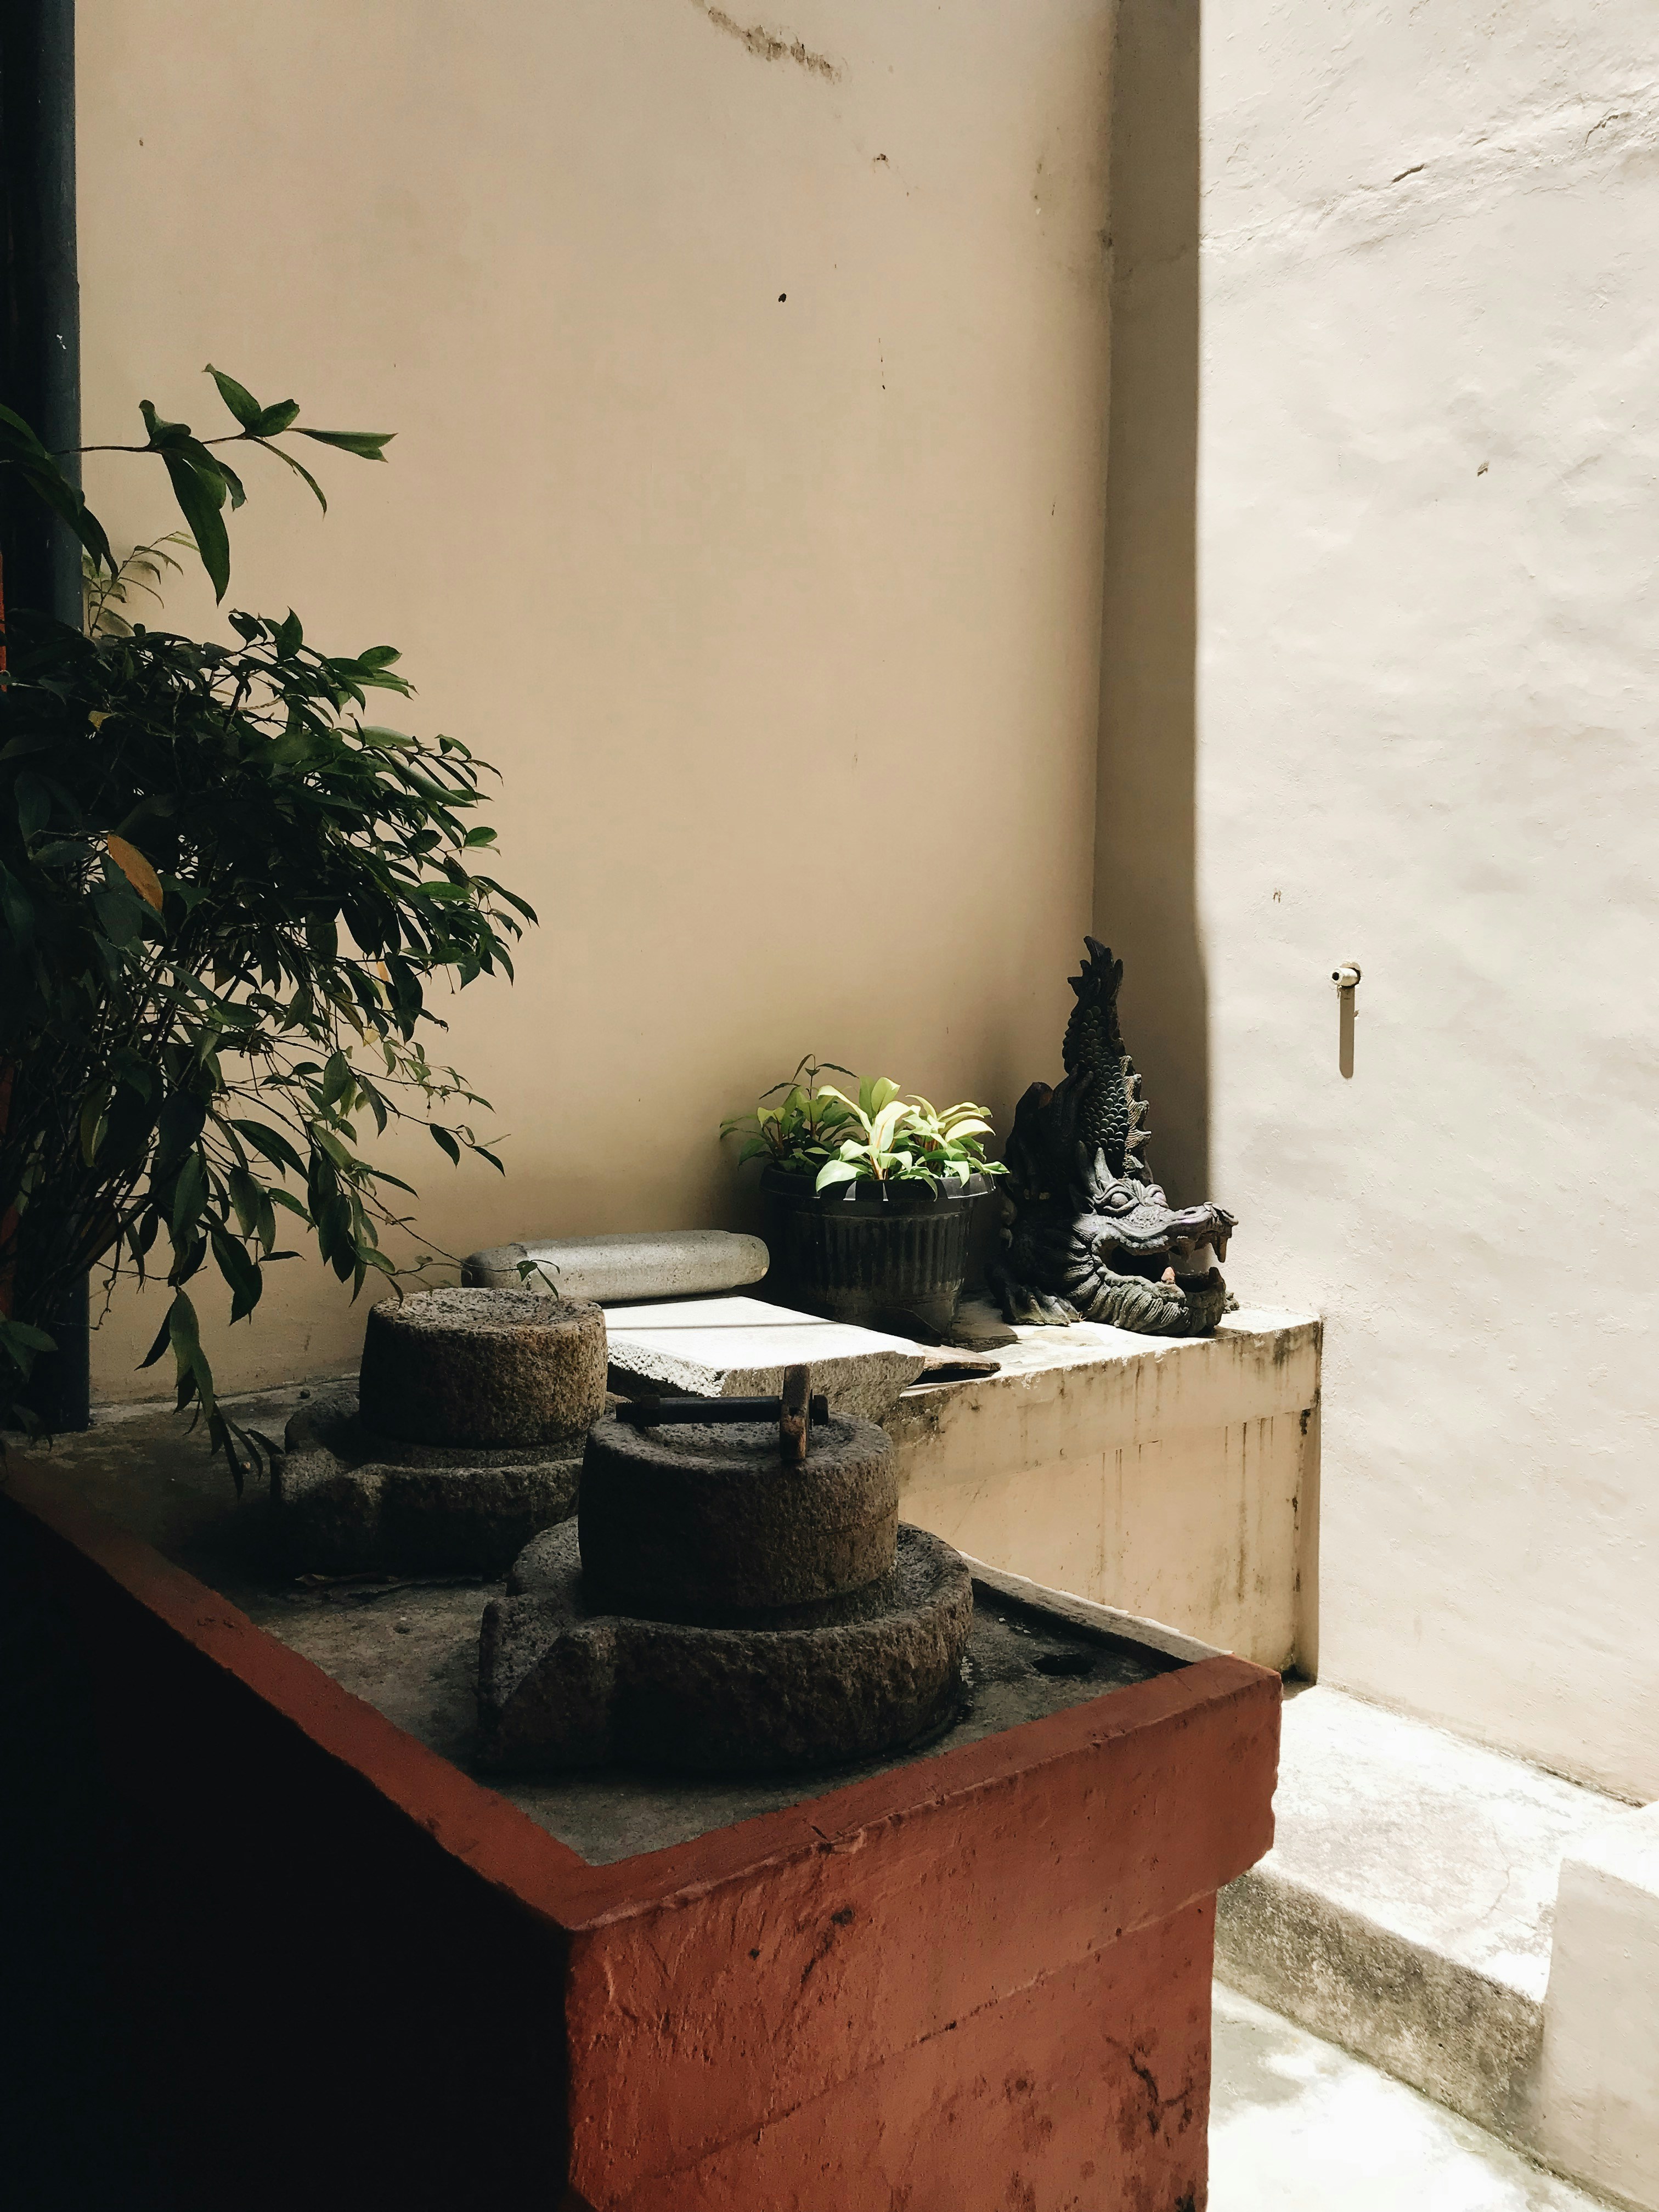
[[886, 1255]]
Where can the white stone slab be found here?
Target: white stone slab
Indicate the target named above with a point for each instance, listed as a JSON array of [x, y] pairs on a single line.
[[635, 1264], [739, 1348]]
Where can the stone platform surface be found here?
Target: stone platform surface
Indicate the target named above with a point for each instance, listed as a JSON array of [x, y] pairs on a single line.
[[1406, 1907], [407, 1645], [1298, 2125]]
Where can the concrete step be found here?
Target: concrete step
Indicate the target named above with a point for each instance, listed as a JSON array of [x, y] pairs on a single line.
[[1405, 1911], [1296, 2125]]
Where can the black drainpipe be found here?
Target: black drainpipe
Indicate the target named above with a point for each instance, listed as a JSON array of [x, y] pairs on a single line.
[[40, 380]]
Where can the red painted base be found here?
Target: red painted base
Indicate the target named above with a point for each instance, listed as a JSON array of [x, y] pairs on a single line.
[[979, 1983]]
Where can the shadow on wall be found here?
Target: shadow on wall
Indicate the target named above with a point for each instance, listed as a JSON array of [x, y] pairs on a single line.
[[1146, 853]]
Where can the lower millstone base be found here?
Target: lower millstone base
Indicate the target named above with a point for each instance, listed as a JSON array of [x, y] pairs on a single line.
[[347, 1501], [561, 1685]]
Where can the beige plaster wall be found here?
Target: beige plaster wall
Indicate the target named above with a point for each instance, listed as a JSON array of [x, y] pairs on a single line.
[[781, 616], [1424, 499]]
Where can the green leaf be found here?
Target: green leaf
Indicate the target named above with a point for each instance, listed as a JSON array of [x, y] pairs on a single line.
[[52, 488], [200, 498], [328, 1143], [33, 805], [19, 1339], [273, 1143], [162, 435], [17, 440], [445, 1142], [366, 444], [288, 637], [93, 1126], [241, 1272], [338, 1079], [885, 1124], [273, 421], [246, 1196], [240, 400], [164, 1335], [188, 1197], [210, 464], [178, 1127], [16, 909], [299, 469], [835, 1171]]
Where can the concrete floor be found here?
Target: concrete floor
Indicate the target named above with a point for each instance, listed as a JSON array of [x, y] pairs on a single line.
[[1296, 2125]]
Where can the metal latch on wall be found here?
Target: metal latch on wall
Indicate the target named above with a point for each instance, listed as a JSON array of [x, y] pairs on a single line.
[[1346, 980]]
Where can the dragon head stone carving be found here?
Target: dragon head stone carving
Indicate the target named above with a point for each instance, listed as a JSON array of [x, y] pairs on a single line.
[[1089, 1235]]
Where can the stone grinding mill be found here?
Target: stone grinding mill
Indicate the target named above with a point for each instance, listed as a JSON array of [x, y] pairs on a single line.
[[736, 1594]]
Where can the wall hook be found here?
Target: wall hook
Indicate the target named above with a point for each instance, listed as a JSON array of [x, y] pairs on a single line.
[[1346, 980]]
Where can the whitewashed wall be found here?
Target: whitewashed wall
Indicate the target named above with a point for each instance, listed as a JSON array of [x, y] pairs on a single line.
[[1427, 740]]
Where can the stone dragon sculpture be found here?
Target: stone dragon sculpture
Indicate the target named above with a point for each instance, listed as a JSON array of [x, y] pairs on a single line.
[[1087, 1235]]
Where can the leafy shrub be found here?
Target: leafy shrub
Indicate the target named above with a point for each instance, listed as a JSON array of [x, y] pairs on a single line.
[[224, 896]]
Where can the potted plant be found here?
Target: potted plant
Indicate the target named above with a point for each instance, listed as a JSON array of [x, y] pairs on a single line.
[[868, 1199], [225, 895]]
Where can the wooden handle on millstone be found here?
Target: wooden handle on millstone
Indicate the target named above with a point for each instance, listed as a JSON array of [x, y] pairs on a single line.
[[792, 1414]]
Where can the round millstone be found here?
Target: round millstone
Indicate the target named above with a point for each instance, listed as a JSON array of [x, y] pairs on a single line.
[[562, 1683], [490, 1367], [688, 1523], [346, 1501]]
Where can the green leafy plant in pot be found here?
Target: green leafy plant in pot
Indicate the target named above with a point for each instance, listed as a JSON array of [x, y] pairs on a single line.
[[868, 1199]]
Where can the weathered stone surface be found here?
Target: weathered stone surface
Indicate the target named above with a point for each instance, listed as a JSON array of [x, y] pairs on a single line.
[[1405, 1911], [739, 1348], [490, 1367], [639, 1264], [688, 1523], [561, 1684], [347, 1501]]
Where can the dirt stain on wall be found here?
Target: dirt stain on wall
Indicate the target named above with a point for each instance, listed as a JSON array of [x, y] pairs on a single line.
[[770, 45]]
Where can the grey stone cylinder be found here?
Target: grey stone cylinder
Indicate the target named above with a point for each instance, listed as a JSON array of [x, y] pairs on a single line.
[[706, 1524], [483, 1367]]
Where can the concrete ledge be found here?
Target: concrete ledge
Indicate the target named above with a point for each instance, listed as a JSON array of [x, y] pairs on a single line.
[[1177, 1480]]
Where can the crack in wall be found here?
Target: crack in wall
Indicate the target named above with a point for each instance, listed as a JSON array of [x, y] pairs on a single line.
[[1605, 130], [769, 45]]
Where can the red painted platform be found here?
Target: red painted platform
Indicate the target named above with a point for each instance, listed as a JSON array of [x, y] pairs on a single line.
[[979, 1982]]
